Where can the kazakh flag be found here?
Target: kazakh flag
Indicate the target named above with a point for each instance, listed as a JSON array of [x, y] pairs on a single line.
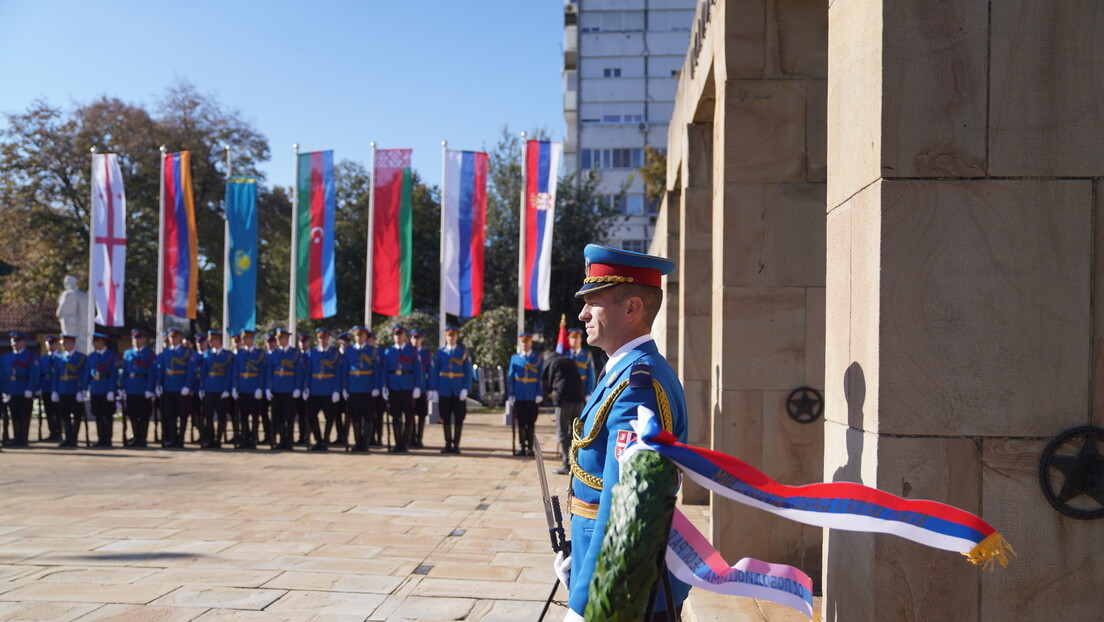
[[241, 214]]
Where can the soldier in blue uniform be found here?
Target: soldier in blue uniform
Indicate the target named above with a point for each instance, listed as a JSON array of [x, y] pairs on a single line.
[[68, 388], [138, 385], [324, 386], [621, 295], [214, 390], [344, 342], [176, 377], [301, 404], [19, 368], [403, 383], [523, 386], [266, 402], [421, 404], [248, 382], [449, 385], [103, 380], [286, 377], [45, 386], [583, 358], [362, 385]]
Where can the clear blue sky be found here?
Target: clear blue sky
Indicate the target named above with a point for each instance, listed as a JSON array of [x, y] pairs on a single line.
[[327, 74]]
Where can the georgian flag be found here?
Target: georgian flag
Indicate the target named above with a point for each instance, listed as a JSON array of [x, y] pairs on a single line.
[[108, 239]]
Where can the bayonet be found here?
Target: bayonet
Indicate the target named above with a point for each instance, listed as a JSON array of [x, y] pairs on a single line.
[[551, 506]]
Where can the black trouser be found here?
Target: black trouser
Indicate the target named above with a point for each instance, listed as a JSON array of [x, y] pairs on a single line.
[[283, 416], [400, 404], [266, 421], [138, 408], [421, 411], [70, 413], [20, 412], [328, 407], [174, 414], [214, 409], [304, 428], [453, 411], [361, 414], [53, 424], [525, 411], [377, 429], [104, 412], [568, 413], [249, 411]]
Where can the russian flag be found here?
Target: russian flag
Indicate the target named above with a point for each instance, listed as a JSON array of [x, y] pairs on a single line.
[[464, 231], [180, 249], [542, 159], [316, 297]]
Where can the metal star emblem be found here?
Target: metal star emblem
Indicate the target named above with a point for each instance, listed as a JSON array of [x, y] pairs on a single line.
[[1081, 473]]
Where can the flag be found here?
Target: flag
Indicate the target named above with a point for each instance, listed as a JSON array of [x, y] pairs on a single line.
[[464, 230], [562, 344], [542, 159], [316, 295], [241, 215], [391, 239], [180, 250], [109, 239]]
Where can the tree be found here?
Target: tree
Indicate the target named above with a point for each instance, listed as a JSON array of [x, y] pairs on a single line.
[[654, 174], [491, 336]]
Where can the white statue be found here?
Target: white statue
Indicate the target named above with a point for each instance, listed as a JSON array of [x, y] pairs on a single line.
[[73, 311]]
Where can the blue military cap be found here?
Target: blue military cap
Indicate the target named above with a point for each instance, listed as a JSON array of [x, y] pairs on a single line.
[[304, 337], [524, 336], [451, 329], [68, 336], [99, 336], [243, 331], [398, 328], [414, 332], [608, 267], [50, 338], [322, 331], [357, 328], [371, 333], [281, 331], [138, 332], [15, 334], [173, 330], [270, 336], [575, 331], [345, 336], [212, 333]]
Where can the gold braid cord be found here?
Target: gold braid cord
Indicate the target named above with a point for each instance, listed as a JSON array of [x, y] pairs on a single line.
[[578, 443], [608, 279]]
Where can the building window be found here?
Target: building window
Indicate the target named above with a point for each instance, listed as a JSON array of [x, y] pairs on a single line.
[[636, 246], [611, 72], [613, 21], [611, 158], [634, 204]]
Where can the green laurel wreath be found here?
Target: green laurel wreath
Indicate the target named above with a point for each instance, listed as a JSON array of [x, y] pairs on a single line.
[[636, 536]]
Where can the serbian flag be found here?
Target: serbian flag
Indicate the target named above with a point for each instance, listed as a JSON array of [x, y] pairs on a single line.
[[108, 238], [241, 216], [392, 183], [179, 249], [542, 159], [464, 230], [316, 284], [562, 344]]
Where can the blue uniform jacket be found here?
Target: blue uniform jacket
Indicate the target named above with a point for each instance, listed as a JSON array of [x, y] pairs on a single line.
[[523, 381], [139, 371], [46, 373], [286, 370], [403, 369], [324, 368], [250, 370], [103, 372], [599, 457], [584, 362], [362, 369], [452, 371], [425, 357], [217, 366], [176, 369], [20, 372], [69, 373]]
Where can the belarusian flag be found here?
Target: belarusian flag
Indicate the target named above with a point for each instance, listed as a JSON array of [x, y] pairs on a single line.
[[392, 184], [316, 282]]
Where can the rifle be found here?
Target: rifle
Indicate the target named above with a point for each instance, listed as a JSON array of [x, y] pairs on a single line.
[[41, 414], [552, 514], [5, 407], [120, 402], [87, 413]]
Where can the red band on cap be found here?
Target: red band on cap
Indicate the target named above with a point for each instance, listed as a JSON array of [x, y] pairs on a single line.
[[640, 276]]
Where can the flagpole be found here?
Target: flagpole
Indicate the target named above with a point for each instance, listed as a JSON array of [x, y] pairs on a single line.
[[226, 253], [521, 243], [90, 318], [444, 275], [369, 260], [160, 322], [294, 263]]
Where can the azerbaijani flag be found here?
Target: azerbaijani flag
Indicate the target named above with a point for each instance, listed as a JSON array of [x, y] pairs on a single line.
[[542, 159], [179, 249], [392, 183], [316, 287], [464, 230]]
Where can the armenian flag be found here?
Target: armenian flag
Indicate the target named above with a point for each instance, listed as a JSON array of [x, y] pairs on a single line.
[[316, 286], [464, 231], [542, 159], [179, 249], [392, 183]]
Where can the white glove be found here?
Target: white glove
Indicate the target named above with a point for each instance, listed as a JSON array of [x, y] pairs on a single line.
[[80, 396], [587, 398], [55, 397], [122, 394], [538, 399], [571, 616], [258, 394], [185, 391], [111, 396], [417, 392], [432, 396], [5, 398], [345, 394], [375, 392], [268, 393], [234, 393], [226, 394], [511, 399], [463, 394], [202, 393], [149, 395], [296, 393], [28, 394], [562, 566], [336, 397], [39, 393], [386, 393], [159, 390], [306, 393]]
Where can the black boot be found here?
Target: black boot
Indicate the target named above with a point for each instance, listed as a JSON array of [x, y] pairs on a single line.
[[316, 429], [456, 436]]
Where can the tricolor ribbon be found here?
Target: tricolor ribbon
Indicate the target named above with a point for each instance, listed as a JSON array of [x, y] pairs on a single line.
[[838, 505]]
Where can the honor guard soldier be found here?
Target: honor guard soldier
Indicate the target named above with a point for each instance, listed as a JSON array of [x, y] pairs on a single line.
[[103, 380], [286, 378], [344, 342], [421, 404], [449, 385], [45, 387], [214, 391], [583, 358], [68, 389], [324, 386], [403, 383], [138, 385], [362, 385], [248, 381], [564, 387], [19, 368], [621, 295], [523, 383], [266, 402], [176, 377], [194, 409], [305, 345]]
